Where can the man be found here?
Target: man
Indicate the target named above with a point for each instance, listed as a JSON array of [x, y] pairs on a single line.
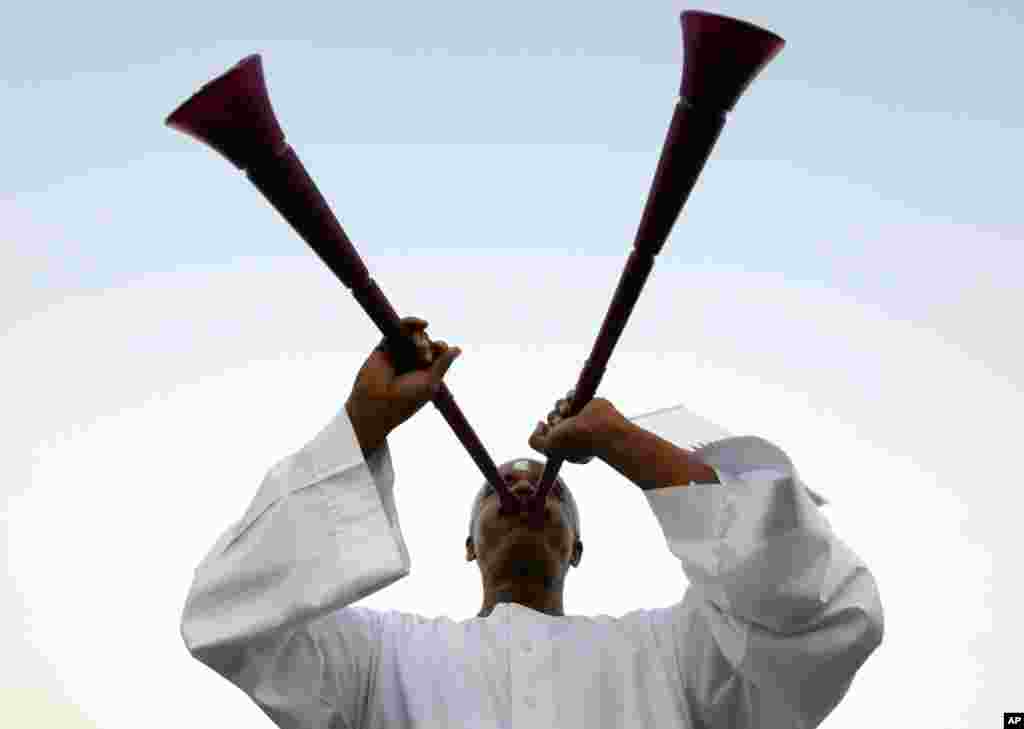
[[778, 616]]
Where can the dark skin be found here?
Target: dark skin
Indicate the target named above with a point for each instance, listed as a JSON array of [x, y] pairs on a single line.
[[518, 564]]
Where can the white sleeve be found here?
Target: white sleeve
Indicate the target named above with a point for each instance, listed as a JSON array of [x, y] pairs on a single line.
[[780, 613], [266, 608]]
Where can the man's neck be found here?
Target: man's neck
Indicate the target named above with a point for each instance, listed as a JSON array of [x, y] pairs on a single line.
[[550, 603]]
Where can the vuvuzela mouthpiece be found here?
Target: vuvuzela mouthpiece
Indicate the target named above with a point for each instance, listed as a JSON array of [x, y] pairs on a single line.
[[232, 114], [721, 56]]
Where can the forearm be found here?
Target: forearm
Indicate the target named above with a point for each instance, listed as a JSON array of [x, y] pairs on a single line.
[[649, 461]]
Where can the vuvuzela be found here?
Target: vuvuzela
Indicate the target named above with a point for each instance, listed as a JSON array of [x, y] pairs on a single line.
[[721, 56]]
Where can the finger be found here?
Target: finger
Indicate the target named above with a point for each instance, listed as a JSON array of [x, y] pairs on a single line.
[[413, 328], [538, 438], [442, 364], [385, 346], [424, 347], [437, 350]]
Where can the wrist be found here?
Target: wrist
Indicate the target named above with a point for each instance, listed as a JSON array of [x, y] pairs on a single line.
[[611, 436], [651, 462], [369, 435]]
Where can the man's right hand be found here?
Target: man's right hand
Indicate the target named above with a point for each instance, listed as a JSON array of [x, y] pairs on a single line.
[[579, 438], [381, 401]]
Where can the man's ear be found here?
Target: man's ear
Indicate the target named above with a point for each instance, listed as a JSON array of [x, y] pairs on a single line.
[[470, 550], [577, 554]]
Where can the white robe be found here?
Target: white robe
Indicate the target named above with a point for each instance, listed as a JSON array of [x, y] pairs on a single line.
[[777, 618]]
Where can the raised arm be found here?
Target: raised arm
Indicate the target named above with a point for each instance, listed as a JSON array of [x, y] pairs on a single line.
[[779, 613], [270, 597], [268, 608], [649, 461], [600, 430]]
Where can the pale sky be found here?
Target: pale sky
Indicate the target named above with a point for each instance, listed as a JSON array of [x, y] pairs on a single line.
[[841, 282]]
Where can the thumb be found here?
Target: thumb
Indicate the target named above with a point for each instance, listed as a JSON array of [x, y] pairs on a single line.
[[441, 365]]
